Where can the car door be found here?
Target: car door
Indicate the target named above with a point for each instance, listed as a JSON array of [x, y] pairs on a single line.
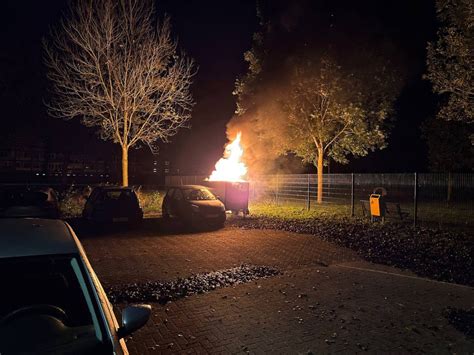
[[87, 213], [177, 203], [167, 201]]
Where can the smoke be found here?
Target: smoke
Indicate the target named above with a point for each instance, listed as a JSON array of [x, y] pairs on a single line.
[[263, 125], [264, 128], [263, 134]]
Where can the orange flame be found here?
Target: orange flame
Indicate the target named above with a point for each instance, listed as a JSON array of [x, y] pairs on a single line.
[[230, 168]]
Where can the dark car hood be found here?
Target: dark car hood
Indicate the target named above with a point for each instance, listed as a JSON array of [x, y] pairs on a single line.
[[207, 203]]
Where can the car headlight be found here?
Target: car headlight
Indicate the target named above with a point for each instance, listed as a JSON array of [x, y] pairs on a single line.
[[195, 208]]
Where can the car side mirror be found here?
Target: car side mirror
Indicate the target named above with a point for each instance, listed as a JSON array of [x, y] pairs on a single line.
[[133, 318]]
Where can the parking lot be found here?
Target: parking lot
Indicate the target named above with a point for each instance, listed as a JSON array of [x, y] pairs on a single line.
[[326, 298]]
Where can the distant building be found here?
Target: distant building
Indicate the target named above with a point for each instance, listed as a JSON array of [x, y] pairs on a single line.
[[28, 163], [21, 163]]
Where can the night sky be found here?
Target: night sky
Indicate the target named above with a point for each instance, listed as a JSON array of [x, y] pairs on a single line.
[[215, 34]]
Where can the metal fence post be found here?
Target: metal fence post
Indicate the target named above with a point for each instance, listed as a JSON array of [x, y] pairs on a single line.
[[308, 196], [352, 195], [415, 201]]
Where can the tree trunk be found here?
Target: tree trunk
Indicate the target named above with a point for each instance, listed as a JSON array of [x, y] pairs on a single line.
[[320, 176], [124, 166]]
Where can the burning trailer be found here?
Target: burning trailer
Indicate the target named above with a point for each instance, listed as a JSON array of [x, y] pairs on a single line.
[[227, 180]]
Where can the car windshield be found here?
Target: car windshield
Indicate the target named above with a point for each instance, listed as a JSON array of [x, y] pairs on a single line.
[[47, 300], [118, 194], [198, 194]]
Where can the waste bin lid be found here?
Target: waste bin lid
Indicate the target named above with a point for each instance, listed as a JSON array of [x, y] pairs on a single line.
[[381, 191]]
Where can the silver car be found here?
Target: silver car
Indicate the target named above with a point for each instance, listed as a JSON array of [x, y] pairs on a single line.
[[51, 299]]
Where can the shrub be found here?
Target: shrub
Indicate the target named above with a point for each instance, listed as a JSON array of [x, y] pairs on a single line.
[[71, 203], [150, 201]]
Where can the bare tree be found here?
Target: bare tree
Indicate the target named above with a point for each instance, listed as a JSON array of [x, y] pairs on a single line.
[[112, 66]]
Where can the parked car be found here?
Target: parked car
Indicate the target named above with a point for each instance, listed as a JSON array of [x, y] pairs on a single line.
[[193, 204], [28, 201], [52, 301], [113, 204]]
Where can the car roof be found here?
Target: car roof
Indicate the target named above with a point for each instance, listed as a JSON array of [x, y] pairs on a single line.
[[35, 237], [114, 188], [17, 187], [188, 187]]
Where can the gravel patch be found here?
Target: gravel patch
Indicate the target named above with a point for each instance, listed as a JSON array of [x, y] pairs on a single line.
[[163, 292], [439, 254]]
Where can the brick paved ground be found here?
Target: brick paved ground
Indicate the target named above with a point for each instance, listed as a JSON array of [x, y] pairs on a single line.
[[326, 301], [152, 254]]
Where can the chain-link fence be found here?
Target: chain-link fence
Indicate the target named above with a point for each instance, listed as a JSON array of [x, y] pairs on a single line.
[[441, 199]]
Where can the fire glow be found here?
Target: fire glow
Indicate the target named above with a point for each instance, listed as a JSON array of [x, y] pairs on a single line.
[[230, 167]]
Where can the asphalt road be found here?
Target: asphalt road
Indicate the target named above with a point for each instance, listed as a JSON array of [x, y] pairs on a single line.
[[327, 299]]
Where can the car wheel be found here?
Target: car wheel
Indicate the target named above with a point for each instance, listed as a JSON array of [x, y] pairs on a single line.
[[217, 225]]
